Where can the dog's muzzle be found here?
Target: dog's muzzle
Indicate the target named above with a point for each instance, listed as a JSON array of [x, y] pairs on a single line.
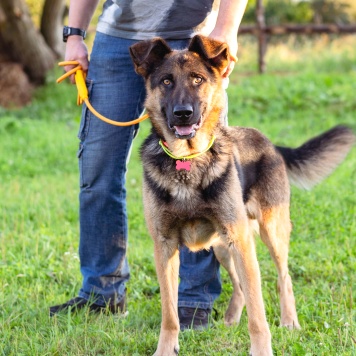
[[184, 124]]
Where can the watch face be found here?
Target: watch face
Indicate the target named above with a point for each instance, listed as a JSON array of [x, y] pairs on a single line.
[[66, 32]]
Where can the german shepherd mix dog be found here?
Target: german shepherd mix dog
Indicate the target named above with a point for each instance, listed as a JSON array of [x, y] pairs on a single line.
[[206, 184]]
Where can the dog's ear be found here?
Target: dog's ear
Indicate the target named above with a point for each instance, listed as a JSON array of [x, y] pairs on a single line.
[[147, 55], [215, 52]]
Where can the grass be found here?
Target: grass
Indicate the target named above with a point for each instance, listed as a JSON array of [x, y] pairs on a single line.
[[304, 92]]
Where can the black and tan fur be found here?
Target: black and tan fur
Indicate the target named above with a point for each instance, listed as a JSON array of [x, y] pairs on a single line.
[[241, 180]]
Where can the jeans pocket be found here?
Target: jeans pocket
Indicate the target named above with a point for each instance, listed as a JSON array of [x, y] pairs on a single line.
[[84, 122]]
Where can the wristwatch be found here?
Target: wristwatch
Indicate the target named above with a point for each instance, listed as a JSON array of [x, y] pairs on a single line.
[[70, 31]]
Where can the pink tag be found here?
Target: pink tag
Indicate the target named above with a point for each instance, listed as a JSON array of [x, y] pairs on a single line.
[[183, 165]]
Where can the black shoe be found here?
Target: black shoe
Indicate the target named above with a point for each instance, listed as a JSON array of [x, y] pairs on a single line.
[[193, 318], [78, 303]]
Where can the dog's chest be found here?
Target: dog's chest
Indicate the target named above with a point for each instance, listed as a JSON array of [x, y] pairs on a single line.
[[192, 190], [182, 175], [185, 196]]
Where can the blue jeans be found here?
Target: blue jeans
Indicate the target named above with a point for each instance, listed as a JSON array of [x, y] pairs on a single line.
[[118, 93]]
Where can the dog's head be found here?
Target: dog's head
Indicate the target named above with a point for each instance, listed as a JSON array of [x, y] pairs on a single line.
[[183, 87]]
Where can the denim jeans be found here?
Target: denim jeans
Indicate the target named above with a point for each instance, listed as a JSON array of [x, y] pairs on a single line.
[[117, 92]]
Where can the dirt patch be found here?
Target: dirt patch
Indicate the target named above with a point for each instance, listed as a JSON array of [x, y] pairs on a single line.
[[15, 87]]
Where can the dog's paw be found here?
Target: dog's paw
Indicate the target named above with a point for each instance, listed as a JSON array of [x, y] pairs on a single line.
[[233, 313], [263, 352], [290, 321], [231, 320], [166, 352], [294, 324]]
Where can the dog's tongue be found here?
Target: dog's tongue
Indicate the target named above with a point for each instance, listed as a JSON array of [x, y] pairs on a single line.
[[184, 130]]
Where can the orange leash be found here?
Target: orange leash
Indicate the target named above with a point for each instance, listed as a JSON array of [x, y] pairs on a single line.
[[84, 97]]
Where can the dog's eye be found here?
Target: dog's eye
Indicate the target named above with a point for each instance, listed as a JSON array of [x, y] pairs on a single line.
[[197, 80], [166, 82]]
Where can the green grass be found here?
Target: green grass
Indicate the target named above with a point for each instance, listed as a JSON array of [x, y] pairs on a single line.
[[39, 220]]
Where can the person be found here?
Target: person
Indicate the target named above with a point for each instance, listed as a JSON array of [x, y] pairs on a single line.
[[117, 92]]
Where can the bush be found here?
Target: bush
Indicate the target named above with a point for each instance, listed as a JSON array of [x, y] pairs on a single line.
[[298, 12], [327, 11]]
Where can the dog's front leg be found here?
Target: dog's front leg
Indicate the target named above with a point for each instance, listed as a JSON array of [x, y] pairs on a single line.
[[241, 242], [167, 266]]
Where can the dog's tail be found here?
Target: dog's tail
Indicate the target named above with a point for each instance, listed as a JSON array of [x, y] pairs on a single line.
[[310, 163]]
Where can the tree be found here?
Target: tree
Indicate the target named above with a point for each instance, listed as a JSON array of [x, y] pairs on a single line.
[[51, 25], [22, 45]]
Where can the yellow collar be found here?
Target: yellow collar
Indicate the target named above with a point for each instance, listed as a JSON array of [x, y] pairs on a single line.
[[194, 155]]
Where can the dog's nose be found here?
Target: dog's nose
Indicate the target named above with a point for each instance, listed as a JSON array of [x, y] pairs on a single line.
[[183, 112]]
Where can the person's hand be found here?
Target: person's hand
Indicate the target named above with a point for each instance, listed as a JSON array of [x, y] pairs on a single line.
[[231, 40], [76, 50]]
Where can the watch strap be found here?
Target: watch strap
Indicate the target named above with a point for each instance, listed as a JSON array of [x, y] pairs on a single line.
[[70, 31]]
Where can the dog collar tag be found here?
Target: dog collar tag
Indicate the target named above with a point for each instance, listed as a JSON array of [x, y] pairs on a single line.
[[183, 165]]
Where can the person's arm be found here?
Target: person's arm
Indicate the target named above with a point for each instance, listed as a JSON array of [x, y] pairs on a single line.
[[227, 25], [80, 15]]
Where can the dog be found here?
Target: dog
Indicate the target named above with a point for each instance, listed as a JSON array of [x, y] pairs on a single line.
[[206, 185]]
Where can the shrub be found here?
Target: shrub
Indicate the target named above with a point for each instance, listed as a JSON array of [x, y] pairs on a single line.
[[298, 12]]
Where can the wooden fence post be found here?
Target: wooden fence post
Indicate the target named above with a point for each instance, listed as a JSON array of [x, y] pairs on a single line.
[[261, 27]]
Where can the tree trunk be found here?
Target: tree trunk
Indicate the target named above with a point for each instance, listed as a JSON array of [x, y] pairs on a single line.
[[262, 46], [51, 25], [20, 40]]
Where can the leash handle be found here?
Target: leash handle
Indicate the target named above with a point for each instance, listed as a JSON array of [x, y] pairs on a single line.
[[81, 86], [83, 95], [79, 80]]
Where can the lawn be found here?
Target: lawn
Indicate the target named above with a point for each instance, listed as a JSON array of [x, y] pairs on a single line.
[[309, 87]]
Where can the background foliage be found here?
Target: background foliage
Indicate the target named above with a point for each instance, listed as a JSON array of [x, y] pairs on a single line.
[[277, 11]]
